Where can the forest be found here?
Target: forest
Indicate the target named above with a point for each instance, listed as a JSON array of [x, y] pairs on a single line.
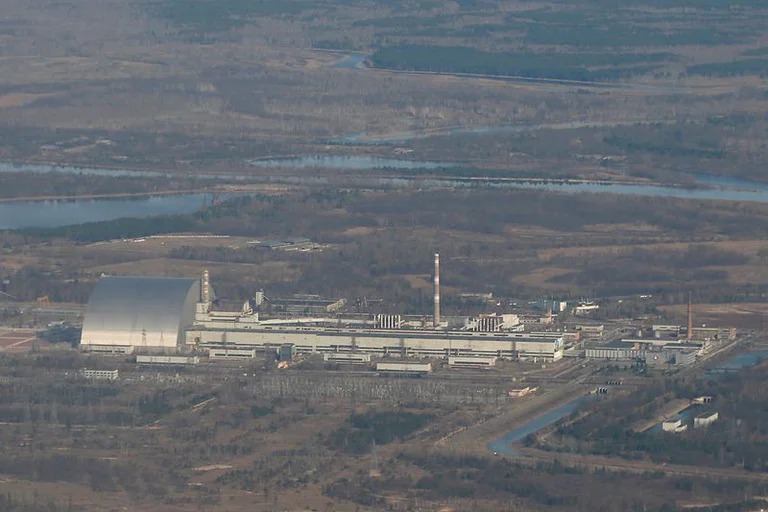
[[739, 438], [378, 243]]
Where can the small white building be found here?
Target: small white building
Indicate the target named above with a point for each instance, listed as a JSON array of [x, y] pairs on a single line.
[[347, 357], [584, 308], [161, 359], [232, 353], [471, 362], [674, 426], [705, 419], [108, 350], [404, 368], [101, 374]]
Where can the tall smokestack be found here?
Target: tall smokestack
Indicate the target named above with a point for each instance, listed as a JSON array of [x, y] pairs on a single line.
[[436, 317], [205, 289], [689, 333]]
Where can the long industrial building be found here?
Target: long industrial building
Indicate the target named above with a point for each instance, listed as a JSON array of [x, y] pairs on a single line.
[[170, 314], [398, 343]]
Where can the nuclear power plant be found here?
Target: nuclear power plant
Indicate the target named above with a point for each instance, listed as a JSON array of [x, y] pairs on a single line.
[[173, 315]]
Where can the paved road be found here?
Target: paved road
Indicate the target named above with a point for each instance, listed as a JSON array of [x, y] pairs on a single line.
[[532, 456]]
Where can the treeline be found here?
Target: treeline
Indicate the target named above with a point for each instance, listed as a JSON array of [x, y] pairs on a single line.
[[739, 438], [463, 59], [64, 183], [366, 430], [757, 67], [118, 228], [624, 270], [476, 481], [376, 237], [61, 334], [16, 502], [670, 147]]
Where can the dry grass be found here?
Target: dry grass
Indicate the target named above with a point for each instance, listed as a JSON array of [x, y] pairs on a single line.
[[744, 315]]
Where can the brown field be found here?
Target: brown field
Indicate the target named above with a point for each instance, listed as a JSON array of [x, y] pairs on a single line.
[[17, 340], [19, 100], [744, 315]]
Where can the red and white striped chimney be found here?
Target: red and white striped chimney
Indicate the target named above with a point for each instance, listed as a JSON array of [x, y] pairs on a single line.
[[436, 317]]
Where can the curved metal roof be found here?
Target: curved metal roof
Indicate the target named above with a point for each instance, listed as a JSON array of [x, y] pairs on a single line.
[[140, 311]]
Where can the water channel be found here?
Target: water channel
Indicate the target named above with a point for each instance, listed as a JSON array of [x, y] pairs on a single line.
[[739, 361], [503, 444]]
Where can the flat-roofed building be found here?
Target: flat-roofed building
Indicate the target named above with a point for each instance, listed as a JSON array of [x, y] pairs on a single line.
[[705, 419], [166, 359], [472, 362], [415, 369], [673, 425], [232, 353], [384, 342], [101, 374], [347, 357]]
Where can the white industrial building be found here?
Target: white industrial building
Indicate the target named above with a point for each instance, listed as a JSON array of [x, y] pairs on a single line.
[[139, 312], [673, 425], [407, 368], [471, 362], [166, 359], [398, 343], [648, 352], [346, 357], [705, 419], [101, 374], [166, 315]]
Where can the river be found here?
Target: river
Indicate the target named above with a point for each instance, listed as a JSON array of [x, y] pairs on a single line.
[[54, 213]]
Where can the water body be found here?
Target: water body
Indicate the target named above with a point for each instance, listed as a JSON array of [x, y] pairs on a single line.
[[14, 215], [502, 445], [355, 60], [350, 163], [729, 183], [712, 194], [51, 214], [351, 61], [740, 361], [7, 167]]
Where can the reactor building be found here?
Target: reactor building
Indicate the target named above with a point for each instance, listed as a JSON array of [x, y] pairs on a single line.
[[131, 313], [169, 314]]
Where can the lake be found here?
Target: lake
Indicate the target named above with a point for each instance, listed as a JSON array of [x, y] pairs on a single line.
[[51, 214]]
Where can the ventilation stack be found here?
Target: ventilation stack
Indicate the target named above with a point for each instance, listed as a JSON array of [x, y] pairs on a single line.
[[436, 317], [205, 289], [689, 332]]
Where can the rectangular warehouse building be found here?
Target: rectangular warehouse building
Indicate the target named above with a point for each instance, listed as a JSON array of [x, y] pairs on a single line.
[[398, 343]]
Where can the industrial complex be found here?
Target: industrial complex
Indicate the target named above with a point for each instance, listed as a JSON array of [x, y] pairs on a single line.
[[168, 315], [159, 316]]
